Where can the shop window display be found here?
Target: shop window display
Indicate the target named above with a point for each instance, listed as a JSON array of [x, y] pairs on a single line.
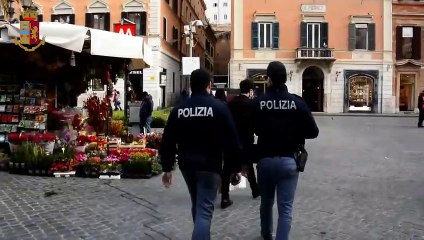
[[361, 89]]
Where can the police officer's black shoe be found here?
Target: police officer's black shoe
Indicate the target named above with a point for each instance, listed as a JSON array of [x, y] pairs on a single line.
[[226, 203], [420, 126]]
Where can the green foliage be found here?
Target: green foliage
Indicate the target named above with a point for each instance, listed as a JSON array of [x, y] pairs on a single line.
[[118, 115], [160, 117]]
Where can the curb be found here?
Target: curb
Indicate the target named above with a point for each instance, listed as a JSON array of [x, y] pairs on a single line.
[[400, 115]]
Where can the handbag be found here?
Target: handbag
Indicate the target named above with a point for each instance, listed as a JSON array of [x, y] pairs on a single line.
[[300, 157]]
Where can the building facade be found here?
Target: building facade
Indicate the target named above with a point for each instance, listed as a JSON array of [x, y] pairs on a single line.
[[218, 11], [408, 78], [222, 54], [338, 54]]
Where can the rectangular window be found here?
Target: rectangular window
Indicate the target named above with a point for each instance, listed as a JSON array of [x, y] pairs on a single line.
[[215, 17], [225, 16], [265, 35], [362, 36], [215, 4], [98, 21], [139, 19], [175, 6], [63, 18], [225, 4], [175, 37], [164, 29], [408, 42]]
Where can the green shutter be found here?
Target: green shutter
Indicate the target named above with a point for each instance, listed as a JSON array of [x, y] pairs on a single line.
[[88, 20], [416, 44], [352, 36], [275, 35], [303, 35], [255, 38], [371, 36], [107, 22], [324, 34], [399, 42], [143, 25], [72, 19]]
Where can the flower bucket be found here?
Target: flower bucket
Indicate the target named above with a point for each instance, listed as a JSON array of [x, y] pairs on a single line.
[[13, 147], [80, 148], [49, 147]]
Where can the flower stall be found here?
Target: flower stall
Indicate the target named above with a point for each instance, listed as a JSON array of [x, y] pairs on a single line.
[[90, 146]]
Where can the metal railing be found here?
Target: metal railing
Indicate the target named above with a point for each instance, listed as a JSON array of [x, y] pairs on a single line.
[[315, 53]]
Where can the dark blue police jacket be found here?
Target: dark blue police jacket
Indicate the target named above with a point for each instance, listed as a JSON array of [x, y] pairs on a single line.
[[281, 121], [199, 131]]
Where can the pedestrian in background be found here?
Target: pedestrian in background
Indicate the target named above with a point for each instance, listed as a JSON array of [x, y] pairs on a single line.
[[146, 110], [203, 129], [240, 108], [220, 94], [421, 109], [282, 121]]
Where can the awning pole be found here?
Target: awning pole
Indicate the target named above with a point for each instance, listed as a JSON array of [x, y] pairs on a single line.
[[126, 109]]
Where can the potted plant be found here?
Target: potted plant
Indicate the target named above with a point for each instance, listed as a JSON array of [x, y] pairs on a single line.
[[98, 113], [153, 140], [110, 168], [139, 165]]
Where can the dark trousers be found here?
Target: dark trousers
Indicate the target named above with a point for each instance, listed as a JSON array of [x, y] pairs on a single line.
[[226, 178], [421, 118], [203, 188]]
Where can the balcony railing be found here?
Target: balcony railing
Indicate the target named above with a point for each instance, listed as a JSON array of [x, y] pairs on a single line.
[[315, 53]]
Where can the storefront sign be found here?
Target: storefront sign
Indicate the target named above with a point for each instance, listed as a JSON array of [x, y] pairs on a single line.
[[309, 8], [127, 29], [407, 32], [29, 39]]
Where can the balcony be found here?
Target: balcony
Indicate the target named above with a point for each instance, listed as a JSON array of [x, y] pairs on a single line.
[[315, 53], [322, 56]]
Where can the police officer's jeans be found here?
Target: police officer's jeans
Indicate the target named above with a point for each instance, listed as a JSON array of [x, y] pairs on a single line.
[[277, 173], [203, 188]]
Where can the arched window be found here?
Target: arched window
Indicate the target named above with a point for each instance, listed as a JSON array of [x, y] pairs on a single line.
[[361, 93]]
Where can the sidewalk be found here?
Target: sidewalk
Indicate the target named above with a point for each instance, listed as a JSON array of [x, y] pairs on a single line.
[[415, 115]]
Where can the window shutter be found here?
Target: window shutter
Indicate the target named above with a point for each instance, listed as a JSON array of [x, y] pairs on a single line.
[[416, 44], [143, 24], [352, 36], [107, 22], [324, 34], [40, 17], [399, 43], [72, 19], [303, 34], [371, 36], [255, 38], [88, 20], [124, 15], [275, 35]]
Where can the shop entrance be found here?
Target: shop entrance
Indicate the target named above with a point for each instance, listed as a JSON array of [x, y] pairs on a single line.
[[260, 82], [407, 92], [313, 88]]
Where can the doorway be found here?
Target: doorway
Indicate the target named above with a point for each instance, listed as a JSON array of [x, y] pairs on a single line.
[[407, 92], [313, 88]]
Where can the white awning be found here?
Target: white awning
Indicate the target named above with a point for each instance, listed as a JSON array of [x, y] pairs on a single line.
[[102, 43]]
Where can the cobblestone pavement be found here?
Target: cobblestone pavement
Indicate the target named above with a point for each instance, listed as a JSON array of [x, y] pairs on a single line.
[[364, 180]]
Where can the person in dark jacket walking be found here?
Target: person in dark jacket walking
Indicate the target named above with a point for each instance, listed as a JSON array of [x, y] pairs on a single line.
[[281, 121], [203, 129], [240, 107], [146, 110], [421, 109]]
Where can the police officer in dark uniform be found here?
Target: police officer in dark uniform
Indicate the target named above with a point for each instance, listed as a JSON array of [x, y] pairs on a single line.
[[200, 131], [281, 121]]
